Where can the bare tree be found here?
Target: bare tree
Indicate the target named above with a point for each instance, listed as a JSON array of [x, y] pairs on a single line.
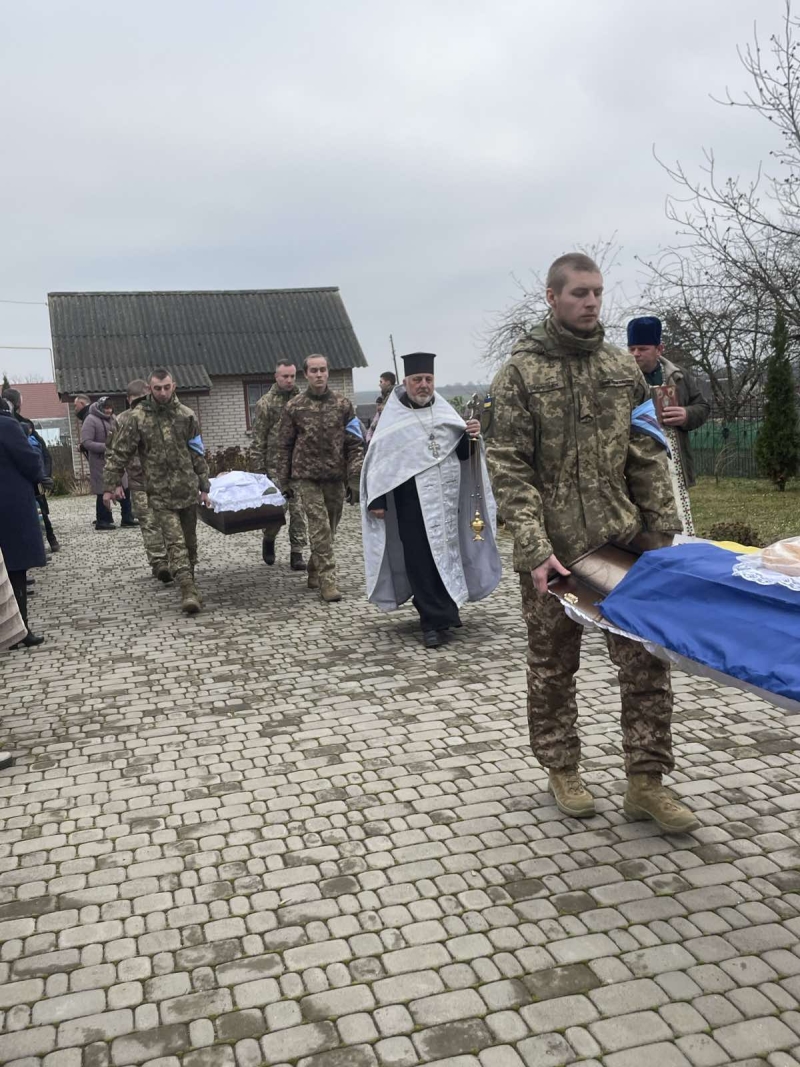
[[25, 379], [508, 326], [713, 327], [747, 232]]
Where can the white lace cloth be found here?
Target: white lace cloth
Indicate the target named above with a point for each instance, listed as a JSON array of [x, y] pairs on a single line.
[[752, 569], [239, 490]]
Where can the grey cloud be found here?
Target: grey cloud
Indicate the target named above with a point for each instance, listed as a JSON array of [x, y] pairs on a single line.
[[416, 155]]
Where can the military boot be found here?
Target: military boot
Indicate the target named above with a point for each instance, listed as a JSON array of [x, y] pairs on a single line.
[[647, 798], [313, 577], [190, 597], [162, 572], [328, 591], [571, 795], [296, 561]]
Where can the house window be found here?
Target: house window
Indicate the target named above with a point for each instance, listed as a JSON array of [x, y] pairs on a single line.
[[253, 391]]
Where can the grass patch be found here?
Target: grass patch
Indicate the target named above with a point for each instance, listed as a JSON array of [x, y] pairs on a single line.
[[756, 502]]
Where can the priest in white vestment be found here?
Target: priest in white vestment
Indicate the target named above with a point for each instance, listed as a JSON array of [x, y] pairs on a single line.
[[423, 481]]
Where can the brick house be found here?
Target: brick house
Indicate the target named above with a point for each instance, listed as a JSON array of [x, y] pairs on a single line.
[[222, 348], [41, 404]]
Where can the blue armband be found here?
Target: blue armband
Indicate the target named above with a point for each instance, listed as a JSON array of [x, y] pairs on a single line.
[[643, 419], [354, 427]]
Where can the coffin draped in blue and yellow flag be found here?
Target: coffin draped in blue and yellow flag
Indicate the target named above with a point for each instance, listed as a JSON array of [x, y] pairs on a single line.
[[687, 599]]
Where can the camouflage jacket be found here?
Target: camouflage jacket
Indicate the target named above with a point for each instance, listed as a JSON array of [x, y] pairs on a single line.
[[266, 420], [567, 470], [136, 480], [313, 441], [166, 439]]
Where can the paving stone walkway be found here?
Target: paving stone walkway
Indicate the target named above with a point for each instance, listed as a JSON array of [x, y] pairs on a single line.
[[284, 833]]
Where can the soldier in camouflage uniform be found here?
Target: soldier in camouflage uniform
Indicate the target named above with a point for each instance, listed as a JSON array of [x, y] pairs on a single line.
[[166, 437], [152, 536], [267, 418], [569, 474], [319, 455]]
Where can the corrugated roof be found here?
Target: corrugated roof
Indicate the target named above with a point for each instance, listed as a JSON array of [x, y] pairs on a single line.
[[102, 340], [102, 378], [40, 400]]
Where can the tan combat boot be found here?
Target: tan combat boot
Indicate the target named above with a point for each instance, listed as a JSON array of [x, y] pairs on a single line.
[[571, 795], [647, 798], [190, 597], [313, 578], [328, 591]]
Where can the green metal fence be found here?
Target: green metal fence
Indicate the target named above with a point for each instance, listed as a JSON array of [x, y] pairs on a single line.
[[728, 446]]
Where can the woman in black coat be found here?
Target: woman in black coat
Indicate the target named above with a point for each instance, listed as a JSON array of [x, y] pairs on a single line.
[[20, 536]]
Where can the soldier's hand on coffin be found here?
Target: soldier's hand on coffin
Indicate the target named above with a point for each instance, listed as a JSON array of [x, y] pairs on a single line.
[[543, 572], [473, 427], [205, 499], [378, 513], [674, 416]]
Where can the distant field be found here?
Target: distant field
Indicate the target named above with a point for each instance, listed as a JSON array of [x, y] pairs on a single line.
[[367, 396]]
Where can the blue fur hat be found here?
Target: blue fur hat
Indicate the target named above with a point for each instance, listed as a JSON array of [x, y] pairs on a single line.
[[646, 330]]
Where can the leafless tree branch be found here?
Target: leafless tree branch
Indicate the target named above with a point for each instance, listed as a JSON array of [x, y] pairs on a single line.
[[506, 327], [747, 233]]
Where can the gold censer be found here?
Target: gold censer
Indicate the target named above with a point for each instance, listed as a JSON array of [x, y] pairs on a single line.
[[477, 524]]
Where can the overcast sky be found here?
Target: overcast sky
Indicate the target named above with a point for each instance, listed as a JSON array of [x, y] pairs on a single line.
[[417, 155]]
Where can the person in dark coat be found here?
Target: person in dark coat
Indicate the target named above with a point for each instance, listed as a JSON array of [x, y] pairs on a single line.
[[20, 538], [14, 397], [692, 409], [81, 405], [96, 432]]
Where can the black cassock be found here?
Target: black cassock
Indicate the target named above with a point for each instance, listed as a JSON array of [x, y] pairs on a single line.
[[437, 609]]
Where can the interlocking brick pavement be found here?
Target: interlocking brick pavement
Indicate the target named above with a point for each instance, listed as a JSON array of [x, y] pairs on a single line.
[[282, 833]]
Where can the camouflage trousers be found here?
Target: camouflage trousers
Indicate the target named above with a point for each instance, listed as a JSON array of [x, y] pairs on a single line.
[[323, 503], [179, 530], [151, 530], [554, 650], [298, 534]]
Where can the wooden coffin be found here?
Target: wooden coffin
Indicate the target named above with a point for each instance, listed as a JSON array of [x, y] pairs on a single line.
[[594, 575], [268, 517]]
